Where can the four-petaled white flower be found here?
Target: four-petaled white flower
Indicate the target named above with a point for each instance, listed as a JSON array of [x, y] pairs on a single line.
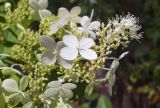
[[39, 9], [56, 88], [64, 17], [56, 25], [72, 16], [52, 52], [88, 26], [73, 47]]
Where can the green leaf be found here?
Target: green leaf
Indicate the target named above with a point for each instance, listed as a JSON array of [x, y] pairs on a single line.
[[10, 71], [85, 106], [2, 64], [4, 49], [53, 103], [14, 99], [156, 73], [0, 82], [104, 102], [10, 85], [154, 54], [93, 96], [2, 19], [23, 83], [89, 89], [2, 100], [10, 36], [133, 78], [27, 105]]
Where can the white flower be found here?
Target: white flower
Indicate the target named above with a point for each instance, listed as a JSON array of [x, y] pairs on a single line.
[[128, 23], [73, 47], [38, 4], [111, 73], [39, 9], [72, 16], [89, 27], [64, 17], [56, 25], [56, 88], [62, 104], [52, 52], [131, 22]]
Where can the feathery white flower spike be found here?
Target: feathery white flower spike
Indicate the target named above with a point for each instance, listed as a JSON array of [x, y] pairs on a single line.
[[89, 27], [73, 47], [110, 76], [129, 23], [51, 55], [72, 16]]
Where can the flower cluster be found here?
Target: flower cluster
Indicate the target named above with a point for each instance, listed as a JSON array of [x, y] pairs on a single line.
[[66, 49]]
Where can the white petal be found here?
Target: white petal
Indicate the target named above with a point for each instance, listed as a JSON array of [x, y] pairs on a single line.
[[27, 105], [63, 12], [70, 40], [65, 63], [86, 43], [68, 53], [88, 54], [48, 58], [95, 25], [54, 84], [43, 4], [122, 55], [75, 19], [111, 80], [70, 86], [35, 15], [34, 4], [92, 35], [63, 21], [51, 92], [45, 13], [81, 29], [85, 21], [58, 24], [114, 66], [38, 56], [75, 11], [60, 45], [66, 93], [54, 28], [48, 43], [10, 85]]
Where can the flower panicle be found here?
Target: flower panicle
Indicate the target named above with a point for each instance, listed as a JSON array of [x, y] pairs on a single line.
[[127, 25]]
